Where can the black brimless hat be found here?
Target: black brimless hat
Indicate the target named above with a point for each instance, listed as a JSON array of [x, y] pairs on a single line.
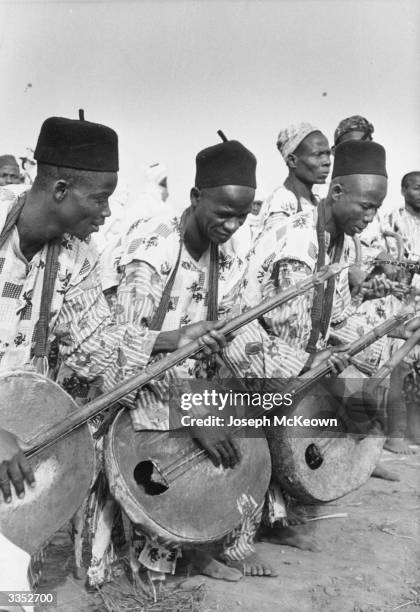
[[227, 163], [78, 144], [359, 157]]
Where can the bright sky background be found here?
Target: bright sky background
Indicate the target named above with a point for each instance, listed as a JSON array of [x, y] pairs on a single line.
[[167, 74]]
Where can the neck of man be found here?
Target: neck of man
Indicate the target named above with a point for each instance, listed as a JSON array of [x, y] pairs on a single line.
[[195, 242], [299, 188], [412, 211], [35, 225]]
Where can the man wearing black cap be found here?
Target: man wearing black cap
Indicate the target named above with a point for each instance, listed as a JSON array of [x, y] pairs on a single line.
[[186, 270], [297, 333], [43, 235]]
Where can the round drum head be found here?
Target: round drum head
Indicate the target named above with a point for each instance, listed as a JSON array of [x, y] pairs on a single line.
[[324, 460], [30, 404]]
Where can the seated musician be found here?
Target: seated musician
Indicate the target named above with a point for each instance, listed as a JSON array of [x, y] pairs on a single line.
[[44, 232], [286, 252], [403, 399], [375, 244], [196, 262]]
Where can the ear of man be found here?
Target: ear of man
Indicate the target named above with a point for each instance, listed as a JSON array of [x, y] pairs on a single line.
[[60, 190], [336, 191], [195, 196], [291, 160]]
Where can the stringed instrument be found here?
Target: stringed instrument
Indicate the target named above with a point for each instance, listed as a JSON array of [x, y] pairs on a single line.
[[317, 466], [151, 473], [47, 419]]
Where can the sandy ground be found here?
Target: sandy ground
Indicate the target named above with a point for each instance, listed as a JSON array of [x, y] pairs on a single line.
[[369, 560]]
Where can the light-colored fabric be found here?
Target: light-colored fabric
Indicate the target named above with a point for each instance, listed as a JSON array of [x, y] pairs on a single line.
[[286, 252], [90, 343], [407, 225], [14, 565], [290, 138], [280, 204]]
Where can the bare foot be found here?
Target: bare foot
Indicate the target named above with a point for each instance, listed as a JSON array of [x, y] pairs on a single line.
[[381, 472], [399, 446], [253, 566], [287, 536], [208, 566]]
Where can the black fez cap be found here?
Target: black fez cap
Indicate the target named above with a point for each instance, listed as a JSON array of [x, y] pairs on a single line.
[[227, 163], [359, 157], [78, 144]]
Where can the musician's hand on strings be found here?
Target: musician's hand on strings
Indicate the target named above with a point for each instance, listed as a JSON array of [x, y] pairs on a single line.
[[14, 466], [221, 447], [336, 357], [410, 328], [377, 287], [208, 333], [356, 277]]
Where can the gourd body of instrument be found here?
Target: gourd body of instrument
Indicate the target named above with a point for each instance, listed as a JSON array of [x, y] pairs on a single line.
[[29, 404], [202, 503], [318, 466]]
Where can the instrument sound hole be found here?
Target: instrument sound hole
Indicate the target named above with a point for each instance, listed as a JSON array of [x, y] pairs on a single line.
[[149, 477], [313, 457]]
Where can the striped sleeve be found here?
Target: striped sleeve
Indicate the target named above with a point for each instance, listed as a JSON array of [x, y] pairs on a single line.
[[92, 344], [272, 347]]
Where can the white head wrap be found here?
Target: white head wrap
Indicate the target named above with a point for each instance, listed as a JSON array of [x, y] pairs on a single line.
[[156, 173], [290, 138]]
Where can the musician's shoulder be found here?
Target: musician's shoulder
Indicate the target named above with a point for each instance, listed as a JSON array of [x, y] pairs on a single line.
[[152, 240], [78, 257], [8, 196]]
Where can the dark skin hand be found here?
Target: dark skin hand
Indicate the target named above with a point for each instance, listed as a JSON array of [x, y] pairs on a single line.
[[14, 467], [208, 333], [222, 448]]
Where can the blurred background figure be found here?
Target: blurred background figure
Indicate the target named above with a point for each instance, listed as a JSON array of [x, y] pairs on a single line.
[[9, 171], [28, 165], [154, 191], [355, 127], [255, 218]]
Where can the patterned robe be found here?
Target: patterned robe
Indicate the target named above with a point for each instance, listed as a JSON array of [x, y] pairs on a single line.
[[286, 252], [91, 345], [150, 251]]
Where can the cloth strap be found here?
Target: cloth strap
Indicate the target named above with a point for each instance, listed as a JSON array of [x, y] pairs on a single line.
[[212, 293], [323, 298], [39, 348]]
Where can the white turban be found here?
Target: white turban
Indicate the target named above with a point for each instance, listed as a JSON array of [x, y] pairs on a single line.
[[290, 138], [156, 173]]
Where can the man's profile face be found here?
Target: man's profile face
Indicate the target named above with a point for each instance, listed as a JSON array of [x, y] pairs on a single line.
[[86, 206], [220, 211], [313, 159], [411, 191], [360, 198], [9, 175]]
